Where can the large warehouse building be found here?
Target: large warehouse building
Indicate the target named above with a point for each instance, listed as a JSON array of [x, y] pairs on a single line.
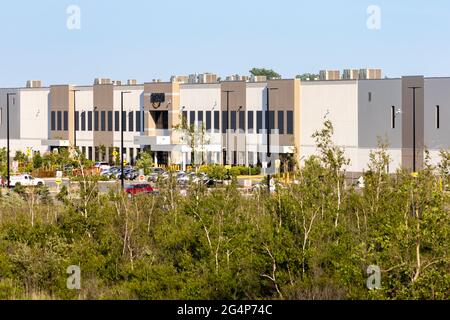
[[228, 119]]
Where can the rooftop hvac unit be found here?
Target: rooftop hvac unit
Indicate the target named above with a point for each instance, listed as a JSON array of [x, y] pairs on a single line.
[[102, 81], [33, 84]]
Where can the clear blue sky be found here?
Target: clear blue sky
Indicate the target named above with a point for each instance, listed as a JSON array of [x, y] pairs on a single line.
[[146, 39]]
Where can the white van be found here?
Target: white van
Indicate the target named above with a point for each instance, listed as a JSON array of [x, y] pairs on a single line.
[[25, 180]]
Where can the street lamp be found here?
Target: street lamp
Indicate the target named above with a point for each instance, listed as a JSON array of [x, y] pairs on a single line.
[[75, 119], [228, 125], [7, 138], [121, 138], [268, 134], [414, 126]]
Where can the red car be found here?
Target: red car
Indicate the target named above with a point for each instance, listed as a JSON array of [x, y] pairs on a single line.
[[136, 189]]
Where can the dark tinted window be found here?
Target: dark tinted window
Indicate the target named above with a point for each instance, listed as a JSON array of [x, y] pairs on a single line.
[[89, 122], [250, 122], [77, 121], [216, 121], [95, 120], [59, 121], [281, 122], [117, 121], [290, 122], [192, 117], [103, 121], [53, 121], [224, 122], [271, 121], [138, 121], [131, 121], [110, 121], [259, 121], [124, 121], [233, 120], [242, 121], [200, 116], [66, 120], [208, 120], [83, 121]]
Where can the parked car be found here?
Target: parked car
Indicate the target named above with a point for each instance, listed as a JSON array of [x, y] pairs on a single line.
[[158, 171], [136, 189], [25, 180], [102, 166]]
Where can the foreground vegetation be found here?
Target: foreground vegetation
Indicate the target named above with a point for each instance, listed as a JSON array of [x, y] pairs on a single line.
[[313, 240]]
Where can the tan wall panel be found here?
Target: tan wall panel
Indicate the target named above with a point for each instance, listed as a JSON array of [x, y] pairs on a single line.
[[407, 122], [103, 101], [59, 101]]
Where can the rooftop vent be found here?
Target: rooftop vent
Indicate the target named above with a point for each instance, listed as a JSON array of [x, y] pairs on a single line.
[[34, 84], [102, 81], [132, 82]]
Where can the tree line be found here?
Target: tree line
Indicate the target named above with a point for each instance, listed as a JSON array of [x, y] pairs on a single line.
[[314, 239]]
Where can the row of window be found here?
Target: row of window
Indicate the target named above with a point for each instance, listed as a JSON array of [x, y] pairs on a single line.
[[243, 121], [96, 154], [97, 121], [110, 121]]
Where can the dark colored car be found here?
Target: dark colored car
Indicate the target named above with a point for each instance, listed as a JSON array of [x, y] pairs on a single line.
[[136, 189]]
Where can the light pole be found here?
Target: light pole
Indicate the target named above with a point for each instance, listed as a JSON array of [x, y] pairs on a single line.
[[122, 178], [75, 119], [228, 125], [7, 138], [414, 126], [268, 135]]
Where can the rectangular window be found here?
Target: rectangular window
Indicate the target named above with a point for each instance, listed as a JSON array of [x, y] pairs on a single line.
[[185, 116], [138, 121], [225, 124], [124, 121], [90, 122], [66, 120], [281, 122], [200, 117], [90, 148], [59, 120], [290, 122], [271, 121], [53, 121], [161, 119], [370, 96], [83, 122], [77, 121], [393, 117], [438, 117], [110, 121], [216, 121], [208, 121], [96, 121], [259, 122], [103, 121], [117, 121], [250, 122], [131, 121], [192, 117], [242, 121], [233, 120]]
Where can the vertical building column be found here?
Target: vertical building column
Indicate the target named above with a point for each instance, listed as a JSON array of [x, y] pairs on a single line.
[[408, 127]]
